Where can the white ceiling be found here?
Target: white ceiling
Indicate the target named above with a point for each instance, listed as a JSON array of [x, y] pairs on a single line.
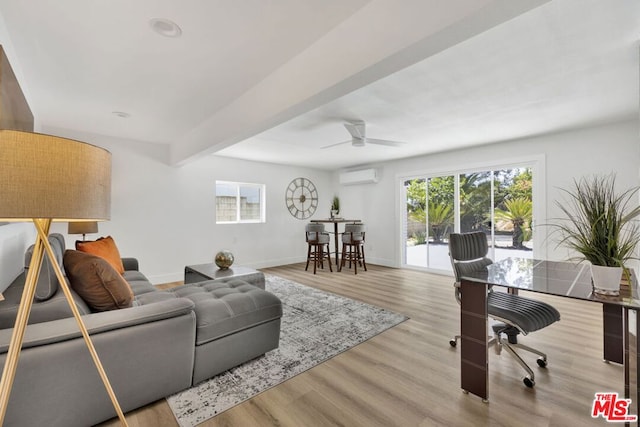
[[275, 80]]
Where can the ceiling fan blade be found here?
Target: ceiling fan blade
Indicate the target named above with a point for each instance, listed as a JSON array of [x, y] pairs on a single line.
[[333, 145], [358, 139], [356, 129], [385, 142]]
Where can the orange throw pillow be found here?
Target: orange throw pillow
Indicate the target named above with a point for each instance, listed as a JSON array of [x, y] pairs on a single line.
[[104, 247]]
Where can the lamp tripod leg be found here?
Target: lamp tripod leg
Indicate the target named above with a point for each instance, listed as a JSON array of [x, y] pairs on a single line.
[[17, 336], [42, 245], [81, 325]]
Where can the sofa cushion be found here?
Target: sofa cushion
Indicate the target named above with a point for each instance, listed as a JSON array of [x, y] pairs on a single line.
[[138, 282], [47, 281], [104, 247], [96, 281], [56, 307]]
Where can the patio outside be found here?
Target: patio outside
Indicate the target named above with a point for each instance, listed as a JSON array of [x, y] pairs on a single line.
[[498, 202], [439, 253]]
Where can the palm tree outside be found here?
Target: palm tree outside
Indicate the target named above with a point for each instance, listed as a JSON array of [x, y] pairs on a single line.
[[519, 212]]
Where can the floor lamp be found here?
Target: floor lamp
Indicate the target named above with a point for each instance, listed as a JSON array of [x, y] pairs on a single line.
[[45, 178]]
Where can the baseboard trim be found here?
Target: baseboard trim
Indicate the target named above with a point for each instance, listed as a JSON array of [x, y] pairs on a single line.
[[160, 279]]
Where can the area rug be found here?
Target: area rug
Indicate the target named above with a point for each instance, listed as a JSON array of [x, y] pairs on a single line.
[[316, 326]]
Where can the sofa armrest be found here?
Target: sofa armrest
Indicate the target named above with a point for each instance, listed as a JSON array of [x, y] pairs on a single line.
[[45, 333], [130, 264], [147, 353]]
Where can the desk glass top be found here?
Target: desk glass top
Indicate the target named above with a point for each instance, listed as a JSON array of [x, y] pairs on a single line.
[[554, 278]]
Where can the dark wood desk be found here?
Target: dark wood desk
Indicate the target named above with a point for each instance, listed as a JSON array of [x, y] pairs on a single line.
[[336, 235], [549, 277]]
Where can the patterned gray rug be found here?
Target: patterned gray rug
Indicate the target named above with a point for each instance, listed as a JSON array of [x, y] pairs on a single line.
[[316, 326]]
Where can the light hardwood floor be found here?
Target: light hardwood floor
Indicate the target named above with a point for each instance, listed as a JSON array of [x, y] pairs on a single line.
[[409, 375]]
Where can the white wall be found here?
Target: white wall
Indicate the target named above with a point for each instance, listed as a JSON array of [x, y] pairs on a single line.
[[568, 155], [164, 215], [15, 238]]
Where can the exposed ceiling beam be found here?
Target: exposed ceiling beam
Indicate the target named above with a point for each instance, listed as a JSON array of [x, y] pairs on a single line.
[[370, 51]]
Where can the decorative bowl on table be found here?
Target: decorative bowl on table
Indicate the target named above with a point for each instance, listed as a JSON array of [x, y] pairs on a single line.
[[224, 259]]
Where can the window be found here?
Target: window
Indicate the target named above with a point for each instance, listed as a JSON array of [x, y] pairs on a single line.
[[239, 202]]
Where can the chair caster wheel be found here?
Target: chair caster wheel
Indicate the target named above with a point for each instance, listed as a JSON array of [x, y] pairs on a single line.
[[453, 343], [465, 391], [528, 382], [542, 362]]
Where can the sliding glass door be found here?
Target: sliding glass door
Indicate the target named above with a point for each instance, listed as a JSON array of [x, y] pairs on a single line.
[[513, 213], [496, 202], [430, 214]]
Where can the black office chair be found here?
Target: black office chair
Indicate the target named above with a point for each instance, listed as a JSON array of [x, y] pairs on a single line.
[[468, 252]]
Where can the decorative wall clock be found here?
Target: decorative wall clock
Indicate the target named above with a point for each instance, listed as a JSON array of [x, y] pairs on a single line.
[[301, 198]]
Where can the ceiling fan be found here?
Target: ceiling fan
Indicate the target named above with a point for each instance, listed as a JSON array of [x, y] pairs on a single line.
[[357, 129]]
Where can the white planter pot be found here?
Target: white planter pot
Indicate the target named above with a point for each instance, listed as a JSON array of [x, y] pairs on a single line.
[[606, 280]]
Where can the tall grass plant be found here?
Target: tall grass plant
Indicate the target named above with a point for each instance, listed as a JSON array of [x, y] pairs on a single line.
[[601, 224]]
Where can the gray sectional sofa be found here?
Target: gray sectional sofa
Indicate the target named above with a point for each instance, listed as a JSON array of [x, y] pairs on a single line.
[[166, 342]]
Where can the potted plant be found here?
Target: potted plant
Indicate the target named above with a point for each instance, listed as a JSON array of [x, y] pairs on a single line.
[[335, 207], [600, 225]]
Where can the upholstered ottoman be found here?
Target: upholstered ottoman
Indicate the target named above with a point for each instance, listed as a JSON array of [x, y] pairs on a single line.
[[235, 322]]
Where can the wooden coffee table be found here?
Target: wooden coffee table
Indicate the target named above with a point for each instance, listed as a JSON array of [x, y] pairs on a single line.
[[210, 271]]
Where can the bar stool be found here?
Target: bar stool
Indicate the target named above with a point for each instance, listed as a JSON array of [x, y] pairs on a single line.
[[317, 240], [353, 246]]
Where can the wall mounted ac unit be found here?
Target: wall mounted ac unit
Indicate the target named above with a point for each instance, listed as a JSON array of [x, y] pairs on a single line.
[[364, 176]]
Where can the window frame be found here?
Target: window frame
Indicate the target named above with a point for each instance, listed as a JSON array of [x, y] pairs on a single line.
[[238, 186]]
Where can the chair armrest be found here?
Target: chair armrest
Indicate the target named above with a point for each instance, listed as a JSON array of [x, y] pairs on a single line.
[[130, 264], [45, 333]]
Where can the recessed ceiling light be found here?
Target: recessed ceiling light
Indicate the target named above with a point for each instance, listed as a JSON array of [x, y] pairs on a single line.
[[121, 114], [165, 27]]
